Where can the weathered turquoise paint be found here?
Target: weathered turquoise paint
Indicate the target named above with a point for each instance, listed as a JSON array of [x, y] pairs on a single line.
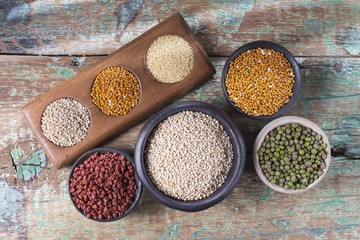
[[217, 226], [11, 136], [345, 220], [18, 14], [318, 232], [29, 169], [343, 135], [12, 201], [267, 193], [13, 92], [331, 204], [172, 233], [351, 39], [312, 26], [346, 227], [289, 211], [282, 222], [204, 233], [336, 169], [33, 76], [61, 72], [16, 154], [269, 235], [127, 12]]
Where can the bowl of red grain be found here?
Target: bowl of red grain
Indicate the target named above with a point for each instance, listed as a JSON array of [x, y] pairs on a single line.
[[103, 184]]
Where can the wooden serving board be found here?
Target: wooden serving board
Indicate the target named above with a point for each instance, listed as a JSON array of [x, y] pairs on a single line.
[[154, 94]]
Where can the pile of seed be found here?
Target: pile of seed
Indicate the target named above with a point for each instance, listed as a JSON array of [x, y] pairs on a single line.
[[115, 91], [65, 122], [170, 59], [260, 81], [103, 186], [188, 155], [292, 156]]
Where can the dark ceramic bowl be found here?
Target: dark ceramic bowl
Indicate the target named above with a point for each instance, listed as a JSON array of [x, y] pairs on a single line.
[[288, 56], [103, 150], [233, 176]]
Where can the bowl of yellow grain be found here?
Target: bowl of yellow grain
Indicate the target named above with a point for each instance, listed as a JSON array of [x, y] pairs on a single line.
[[261, 80]]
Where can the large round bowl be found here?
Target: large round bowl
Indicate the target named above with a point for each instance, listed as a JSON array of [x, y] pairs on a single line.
[[103, 150], [283, 121], [288, 56], [233, 176]]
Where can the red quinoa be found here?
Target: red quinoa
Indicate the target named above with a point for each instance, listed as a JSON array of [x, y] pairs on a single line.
[[103, 186]]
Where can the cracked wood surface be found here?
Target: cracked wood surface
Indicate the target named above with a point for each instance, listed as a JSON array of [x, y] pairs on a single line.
[[33, 194], [307, 28]]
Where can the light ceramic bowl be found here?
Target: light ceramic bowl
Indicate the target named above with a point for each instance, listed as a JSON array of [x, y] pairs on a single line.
[[279, 122], [287, 55]]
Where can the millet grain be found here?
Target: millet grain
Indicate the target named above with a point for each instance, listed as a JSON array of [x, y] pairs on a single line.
[[115, 91], [260, 81]]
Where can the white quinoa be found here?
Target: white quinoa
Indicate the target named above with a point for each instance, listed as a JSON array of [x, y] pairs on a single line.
[[170, 59], [65, 122], [188, 155]]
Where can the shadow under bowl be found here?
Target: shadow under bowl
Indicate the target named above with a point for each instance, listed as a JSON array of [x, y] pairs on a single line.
[[288, 56], [233, 177], [103, 150]]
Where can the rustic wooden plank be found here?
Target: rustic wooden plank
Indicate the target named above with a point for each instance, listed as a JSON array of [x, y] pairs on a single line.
[[329, 98], [130, 56], [252, 210], [306, 28], [36, 193]]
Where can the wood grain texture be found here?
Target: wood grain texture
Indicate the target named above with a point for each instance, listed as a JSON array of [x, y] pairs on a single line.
[[307, 28], [323, 35], [41, 207], [131, 56], [252, 210]]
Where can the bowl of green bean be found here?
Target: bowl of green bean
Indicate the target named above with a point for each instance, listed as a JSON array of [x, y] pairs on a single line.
[[291, 154]]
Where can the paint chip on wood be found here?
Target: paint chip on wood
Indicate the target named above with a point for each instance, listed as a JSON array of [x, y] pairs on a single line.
[[11, 201]]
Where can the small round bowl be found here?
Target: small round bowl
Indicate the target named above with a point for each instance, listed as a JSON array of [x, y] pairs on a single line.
[[279, 122], [288, 56], [233, 176], [103, 150]]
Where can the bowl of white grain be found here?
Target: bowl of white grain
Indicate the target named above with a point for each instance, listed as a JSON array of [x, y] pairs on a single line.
[[190, 156]]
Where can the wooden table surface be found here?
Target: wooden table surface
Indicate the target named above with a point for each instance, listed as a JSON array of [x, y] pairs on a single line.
[[43, 43]]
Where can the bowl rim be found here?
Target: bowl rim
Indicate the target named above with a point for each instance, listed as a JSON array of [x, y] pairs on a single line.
[[102, 150], [278, 122], [233, 176], [269, 45]]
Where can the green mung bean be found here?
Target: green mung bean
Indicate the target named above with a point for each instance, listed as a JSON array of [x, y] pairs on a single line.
[[292, 156]]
